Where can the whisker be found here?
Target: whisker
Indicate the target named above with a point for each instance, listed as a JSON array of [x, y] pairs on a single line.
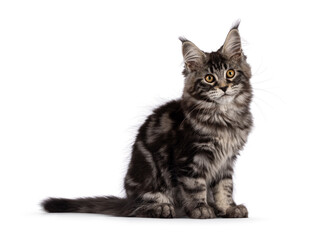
[[269, 92], [265, 102], [263, 81], [260, 109]]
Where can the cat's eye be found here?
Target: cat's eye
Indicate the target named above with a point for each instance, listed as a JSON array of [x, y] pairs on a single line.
[[230, 73], [209, 78]]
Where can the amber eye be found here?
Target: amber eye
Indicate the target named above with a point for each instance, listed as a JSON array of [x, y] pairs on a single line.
[[209, 78], [230, 73]]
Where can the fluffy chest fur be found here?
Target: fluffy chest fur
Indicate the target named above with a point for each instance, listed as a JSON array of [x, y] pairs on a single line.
[[215, 158], [223, 131]]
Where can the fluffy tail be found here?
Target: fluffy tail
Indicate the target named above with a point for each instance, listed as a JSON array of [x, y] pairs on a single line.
[[104, 205]]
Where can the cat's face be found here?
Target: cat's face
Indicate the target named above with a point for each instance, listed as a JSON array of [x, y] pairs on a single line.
[[220, 77]]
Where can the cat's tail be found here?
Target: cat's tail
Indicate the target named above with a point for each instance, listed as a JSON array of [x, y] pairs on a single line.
[[104, 205]]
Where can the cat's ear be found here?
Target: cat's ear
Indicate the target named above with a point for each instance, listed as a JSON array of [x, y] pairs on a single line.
[[232, 45], [192, 55]]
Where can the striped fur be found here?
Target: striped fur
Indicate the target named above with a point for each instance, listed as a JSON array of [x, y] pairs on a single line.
[[184, 153]]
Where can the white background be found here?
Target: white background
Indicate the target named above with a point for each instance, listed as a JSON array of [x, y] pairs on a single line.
[[77, 78]]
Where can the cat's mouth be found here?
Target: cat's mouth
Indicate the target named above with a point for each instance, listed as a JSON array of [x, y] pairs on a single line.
[[225, 95]]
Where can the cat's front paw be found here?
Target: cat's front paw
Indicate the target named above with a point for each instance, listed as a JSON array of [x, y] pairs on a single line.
[[239, 211], [202, 211]]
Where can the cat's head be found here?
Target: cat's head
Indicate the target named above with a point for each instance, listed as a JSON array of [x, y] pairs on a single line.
[[222, 76]]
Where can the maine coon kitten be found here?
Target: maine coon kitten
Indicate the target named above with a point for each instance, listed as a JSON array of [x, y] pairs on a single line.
[[184, 153]]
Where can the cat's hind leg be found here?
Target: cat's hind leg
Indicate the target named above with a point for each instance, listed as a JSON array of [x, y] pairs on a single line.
[[154, 205], [146, 184]]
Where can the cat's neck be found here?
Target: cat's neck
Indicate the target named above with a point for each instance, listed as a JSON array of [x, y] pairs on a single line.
[[207, 116]]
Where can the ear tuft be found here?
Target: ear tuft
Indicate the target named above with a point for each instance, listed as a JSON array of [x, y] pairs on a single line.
[[183, 39], [232, 45], [236, 24], [192, 55]]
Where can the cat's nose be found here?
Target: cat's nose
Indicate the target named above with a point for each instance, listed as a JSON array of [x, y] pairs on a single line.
[[224, 88]]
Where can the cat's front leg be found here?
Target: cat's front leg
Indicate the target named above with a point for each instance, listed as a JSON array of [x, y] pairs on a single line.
[[193, 194], [223, 200]]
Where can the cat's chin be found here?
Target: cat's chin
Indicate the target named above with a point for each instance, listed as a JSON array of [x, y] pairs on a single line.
[[225, 99]]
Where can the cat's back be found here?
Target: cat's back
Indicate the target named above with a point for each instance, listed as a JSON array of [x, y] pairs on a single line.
[[162, 123]]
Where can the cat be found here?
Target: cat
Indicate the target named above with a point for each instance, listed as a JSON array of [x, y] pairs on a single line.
[[183, 156]]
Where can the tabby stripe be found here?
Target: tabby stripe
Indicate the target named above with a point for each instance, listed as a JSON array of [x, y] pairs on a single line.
[[148, 157], [225, 66], [193, 190]]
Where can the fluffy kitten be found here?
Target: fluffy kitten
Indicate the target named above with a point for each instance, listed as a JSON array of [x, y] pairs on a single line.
[[184, 153]]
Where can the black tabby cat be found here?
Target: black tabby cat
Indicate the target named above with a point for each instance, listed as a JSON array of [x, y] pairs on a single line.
[[183, 155]]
